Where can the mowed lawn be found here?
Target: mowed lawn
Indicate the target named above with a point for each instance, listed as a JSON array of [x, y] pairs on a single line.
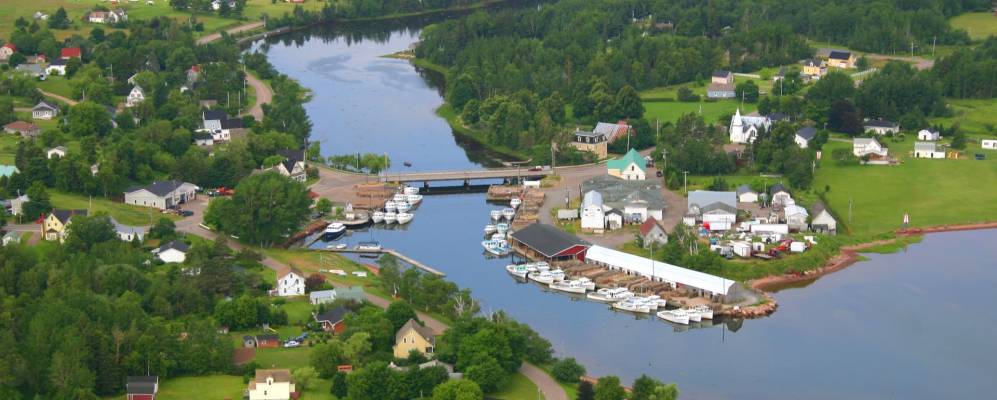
[[978, 24], [211, 387], [123, 213], [8, 148], [975, 116], [933, 192], [670, 111], [517, 388], [311, 261]]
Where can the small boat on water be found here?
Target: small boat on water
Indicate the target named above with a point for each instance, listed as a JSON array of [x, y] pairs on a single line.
[[402, 206], [694, 315], [390, 217], [410, 190], [399, 197], [509, 213], [520, 270], [607, 295], [543, 277], [404, 217], [558, 274], [413, 199], [377, 217], [496, 214], [515, 202], [498, 236], [407, 163], [632, 305], [705, 312], [334, 230], [586, 283], [369, 246], [341, 246], [390, 206], [541, 266], [502, 227], [496, 247], [650, 303], [572, 286], [676, 316], [490, 229]]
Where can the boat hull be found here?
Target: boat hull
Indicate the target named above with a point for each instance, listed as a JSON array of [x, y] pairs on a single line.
[[674, 318], [568, 288]]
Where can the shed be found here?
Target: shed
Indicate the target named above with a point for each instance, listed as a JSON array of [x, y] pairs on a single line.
[[745, 194], [544, 242]]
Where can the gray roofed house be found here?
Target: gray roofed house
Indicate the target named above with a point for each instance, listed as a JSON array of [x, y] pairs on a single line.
[[161, 194], [547, 241], [804, 135], [332, 318], [65, 215], [718, 206], [142, 385], [175, 245], [822, 221], [293, 165], [44, 110], [617, 193], [352, 293], [745, 188], [30, 69], [128, 233], [702, 198], [423, 331]]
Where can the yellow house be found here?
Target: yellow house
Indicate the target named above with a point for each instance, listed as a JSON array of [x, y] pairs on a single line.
[[413, 336], [841, 59], [814, 68], [271, 384], [56, 224]]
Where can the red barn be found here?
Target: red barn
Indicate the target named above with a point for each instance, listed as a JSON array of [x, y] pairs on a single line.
[[332, 320], [267, 341], [142, 387], [547, 243], [70, 52]]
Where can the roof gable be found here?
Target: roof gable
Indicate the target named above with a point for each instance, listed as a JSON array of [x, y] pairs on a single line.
[[412, 325], [648, 225], [622, 163], [547, 240]]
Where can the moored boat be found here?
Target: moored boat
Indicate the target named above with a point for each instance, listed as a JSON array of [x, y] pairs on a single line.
[[572, 286], [377, 217], [509, 213], [543, 277], [515, 202], [586, 283], [490, 229], [496, 214], [632, 305], [402, 206], [496, 247], [676, 316], [520, 270], [390, 217], [369, 246], [390, 206], [404, 217], [694, 315], [705, 312], [502, 227], [398, 197], [557, 274], [334, 230], [498, 236], [606, 295], [410, 190], [413, 199]]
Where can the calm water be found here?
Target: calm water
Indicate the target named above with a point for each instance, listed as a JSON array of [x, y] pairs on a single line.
[[912, 325]]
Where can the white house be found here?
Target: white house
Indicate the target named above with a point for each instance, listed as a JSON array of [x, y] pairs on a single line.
[[57, 151], [57, 67], [107, 17], [17, 204], [719, 216], [128, 233], [593, 214], [7, 50], [868, 146], [614, 219], [780, 194], [271, 384], [989, 144], [745, 194], [744, 128], [11, 237], [290, 283], [929, 134], [881, 126], [173, 252], [796, 217], [651, 231], [822, 221], [804, 135], [161, 194], [293, 165], [219, 125], [630, 167], [928, 150], [44, 110], [136, 96]]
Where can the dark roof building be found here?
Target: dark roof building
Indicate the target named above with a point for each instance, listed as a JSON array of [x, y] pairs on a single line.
[[65, 215], [332, 315], [839, 55], [159, 188], [176, 245], [539, 241], [142, 387], [807, 132], [880, 123], [214, 115]]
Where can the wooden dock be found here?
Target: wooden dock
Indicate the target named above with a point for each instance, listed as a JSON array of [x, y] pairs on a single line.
[[395, 253]]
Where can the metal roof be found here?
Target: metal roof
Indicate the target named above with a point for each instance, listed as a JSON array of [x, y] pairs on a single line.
[[703, 198], [664, 271], [617, 193], [592, 198], [546, 239]]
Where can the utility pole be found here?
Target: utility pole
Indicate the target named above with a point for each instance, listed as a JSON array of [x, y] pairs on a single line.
[[849, 210], [934, 39], [685, 182], [553, 157]]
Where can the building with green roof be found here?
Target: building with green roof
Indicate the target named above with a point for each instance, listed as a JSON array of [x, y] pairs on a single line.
[[632, 166]]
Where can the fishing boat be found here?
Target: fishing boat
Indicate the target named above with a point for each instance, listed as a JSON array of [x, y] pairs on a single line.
[[490, 229], [498, 236], [705, 312], [587, 283], [410, 190], [502, 227], [509, 213], [399, 197], [676, 316], [650, 303], [520, 270], [496, 214], [390, 217], [407, 163], [496, 247], [390, 206], [657, 299], [515, 202], [632, 305], [404, 217], [557, 274], [402, 206], [694, 315], [541, 266], [572, 286], [369, 246], [543, 277], [413, 199], [333, 230], [341, 246], [377, 217], [607, 295]]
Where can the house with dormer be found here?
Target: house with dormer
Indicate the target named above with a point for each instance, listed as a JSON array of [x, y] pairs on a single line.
[[293, 165]]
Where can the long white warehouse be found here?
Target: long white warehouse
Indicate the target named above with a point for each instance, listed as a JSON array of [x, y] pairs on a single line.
[[704, 284]]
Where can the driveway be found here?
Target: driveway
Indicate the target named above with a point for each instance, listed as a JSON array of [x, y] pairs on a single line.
[[264, 95], [241, 28]]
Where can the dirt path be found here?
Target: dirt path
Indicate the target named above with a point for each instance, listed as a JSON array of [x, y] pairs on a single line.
[[548, 387], [58, 97], [264, 95], [919, 63], [241, 28]]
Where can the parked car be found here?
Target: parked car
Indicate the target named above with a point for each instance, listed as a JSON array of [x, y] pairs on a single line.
[[186, 213], [659, 174], [291, 344], [536, 168]]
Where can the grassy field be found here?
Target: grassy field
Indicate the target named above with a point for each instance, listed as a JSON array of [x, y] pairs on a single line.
[[124, 213], [978, 24], [309, 262], [518, 388], [670, 111], [256, 8], [933, 192], [976, 117], [8, 148], [211, 387], [56, 84]]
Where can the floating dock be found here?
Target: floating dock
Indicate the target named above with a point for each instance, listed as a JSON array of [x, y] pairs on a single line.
[[395, 253]]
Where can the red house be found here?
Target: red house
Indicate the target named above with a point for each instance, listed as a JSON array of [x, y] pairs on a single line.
[[142, 387], [332, 320], [70, 52]]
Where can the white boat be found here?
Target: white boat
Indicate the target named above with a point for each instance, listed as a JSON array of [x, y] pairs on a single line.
[[587, 283], [369, 246], [607, 295], [404, 217], [508, 213], [657, 300], [650, 303], [377, 217], [676, 316], [573, 286], [515, 202], [520, 270], [390, 206], [502, 227], [334, 230], [632, 305], [398, 197], [541, 266], [558, 274], [490, 229], [705, 312], [496, 214], [413, 199], [496, 247], [390, 217], [402, 206], [693, 315], [341, 246], [498, 236], [543, 277], [410, 190]]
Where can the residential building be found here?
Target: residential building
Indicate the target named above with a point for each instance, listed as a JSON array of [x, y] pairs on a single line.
[[862, 147], [651, 232], [352, 293], [290, 283], [219, 125], [272, 384], [721, 91], [173, 251], [593, 214], [413, 336], [203, 139], [107, 17], [779, 75], [7, 50], [989, 144], [636, 200], [928, 150], [780, 194], [44, 110], [702, 198], [70, 52], [331, 319], [822, 221], [804, 135], [8, 170], [629, 167], [595, 143], [56, 67], [293, 165], [56, 224], [193, 74], [722, 77], [744, 128], [881, 126], [136, 96], [745, 194], [38, 15], [25, 129], [57, 151], [261, 341], [128, 233], [142, 387], [12, 237], [614, 219], [17, 204], [813, 69], [930, 134], [841, 59], [796, 217], [161, 194], [613, 131], [30, 69], [36, 59]]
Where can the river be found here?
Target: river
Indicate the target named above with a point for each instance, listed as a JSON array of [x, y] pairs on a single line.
[[911, 325]]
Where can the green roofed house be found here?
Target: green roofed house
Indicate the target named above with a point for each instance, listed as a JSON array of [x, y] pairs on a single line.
[[8, 170], [632, 166]]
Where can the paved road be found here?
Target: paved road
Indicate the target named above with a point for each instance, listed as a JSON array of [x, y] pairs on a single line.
[[241, 28], [58, 97], [264, 95]]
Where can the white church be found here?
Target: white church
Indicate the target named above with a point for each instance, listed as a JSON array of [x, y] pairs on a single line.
[[744, 128]]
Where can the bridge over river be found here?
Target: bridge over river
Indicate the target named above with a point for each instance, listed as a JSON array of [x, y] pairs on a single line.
[[466, 176]]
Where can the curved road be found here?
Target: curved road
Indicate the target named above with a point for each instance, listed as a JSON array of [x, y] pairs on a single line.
[[264, 95], [58, 97]]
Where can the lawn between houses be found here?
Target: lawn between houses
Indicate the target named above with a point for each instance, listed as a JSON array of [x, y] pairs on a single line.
[[123, 213]]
